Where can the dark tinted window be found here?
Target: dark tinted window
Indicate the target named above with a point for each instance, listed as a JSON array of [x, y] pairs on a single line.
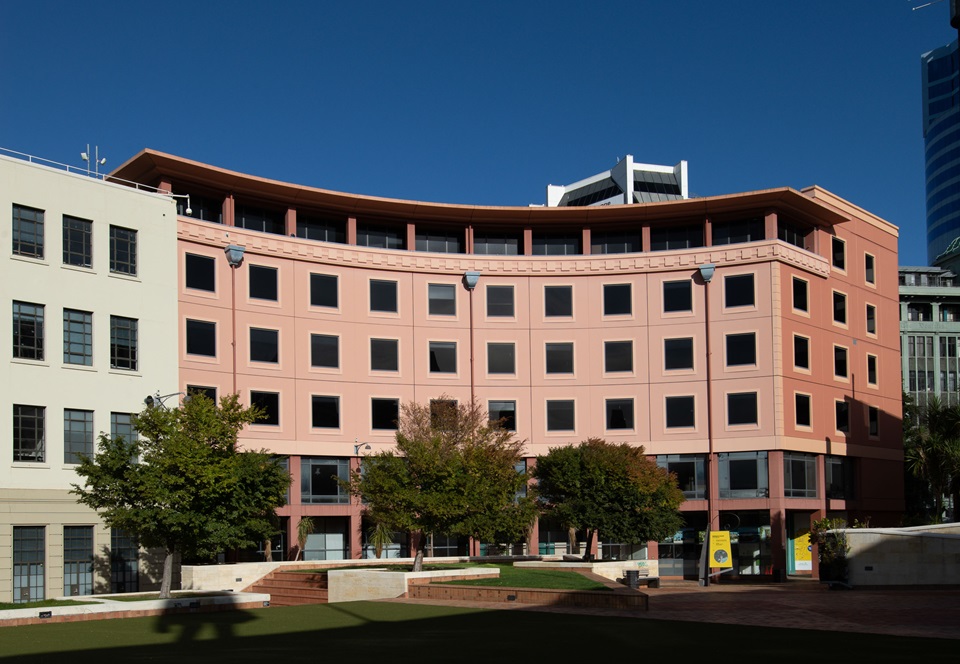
[[665, 238], [738, 290], [500, 301], [800, 294], [200, 272], [326, 412], [384, 413], [839, 308], [264, 345], [559, 358], [838, 253], [323, 290], [618, 356], [504, 412], [383, 296], [269, 403], [678, 353], [263, 282], [677, 296], [324, 350], [556, 245], [558, 300], [560, 415], [209, 392], [617, 299], [501, 358], [839, 362], [734, 232], [803, 409], [801, 352], [442, 299], [383, 355], [619, 413], [843, 416], [679, 412], [443, 357], [741, 349], [201, 338], [742, 408]]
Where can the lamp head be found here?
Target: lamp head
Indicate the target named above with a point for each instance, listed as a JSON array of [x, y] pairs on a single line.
[[471, 279], [149, 401], [234, 255], [706, 272]]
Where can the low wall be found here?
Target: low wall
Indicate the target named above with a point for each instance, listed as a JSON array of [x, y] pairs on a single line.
[[925, 555], [539, 596], [350, 585], [612, 570]]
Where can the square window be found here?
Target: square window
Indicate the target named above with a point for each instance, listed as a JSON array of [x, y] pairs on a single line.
[[200, 272], [557, 301], [264, 345], [323, 290], [269, 403], [677, 296], [208, 392], [871, 319], [680, 413], [801, 295], [383, 296], [121, 424], [741, 408], [28, 440], [799, 475], [839, 308], [842, 416], [801, 352], [802, 408], [617, 299], [872, 370], [869, 269], [77, 434], [738, 291], [743, 474], [559, 358], [384, 413], [873, 420], [741, 349], [443, 357], [678, 354], [27, 231], [560, 415], [123, 343], [838, 253], [617, 356], [27, 331], [263, 282], [442, 299], [501, 358], [325, 351], [77, 242], [504, 412], [384, 355], [839, 362], [201, 338], [326, 412], [500, 301], [322, 481], [77, 337], [123, 250], [619, 413]]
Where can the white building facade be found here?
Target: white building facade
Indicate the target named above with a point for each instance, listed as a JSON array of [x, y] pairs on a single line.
[[89, 293]]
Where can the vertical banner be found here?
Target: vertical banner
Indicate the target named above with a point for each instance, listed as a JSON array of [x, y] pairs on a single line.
[[720, 553], [802, 559]]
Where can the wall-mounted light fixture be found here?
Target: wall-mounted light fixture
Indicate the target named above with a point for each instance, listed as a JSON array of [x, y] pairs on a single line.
[[706, 272], [157, 400], [471, 279], [234, 255], [361, 446]]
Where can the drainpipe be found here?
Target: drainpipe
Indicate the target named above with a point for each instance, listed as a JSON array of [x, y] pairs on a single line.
[[470, 280], [706, 274], [234, 259]]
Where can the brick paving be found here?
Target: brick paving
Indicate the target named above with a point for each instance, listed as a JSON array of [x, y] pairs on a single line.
[[799, 604]]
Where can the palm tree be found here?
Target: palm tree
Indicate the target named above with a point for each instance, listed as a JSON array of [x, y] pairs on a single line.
[[932, 449], [304, 528]]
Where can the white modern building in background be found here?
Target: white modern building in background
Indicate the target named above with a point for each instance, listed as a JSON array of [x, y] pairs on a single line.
[[88, 279], [627, 182]]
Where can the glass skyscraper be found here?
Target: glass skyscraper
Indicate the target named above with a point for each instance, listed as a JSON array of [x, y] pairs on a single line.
[[941, 132]]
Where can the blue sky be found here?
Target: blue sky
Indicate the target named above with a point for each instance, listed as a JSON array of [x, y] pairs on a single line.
[[486, 103]]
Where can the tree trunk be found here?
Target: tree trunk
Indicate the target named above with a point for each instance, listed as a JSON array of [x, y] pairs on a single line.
[[587, 556], [268, 551], [418, 559], [167, 580]]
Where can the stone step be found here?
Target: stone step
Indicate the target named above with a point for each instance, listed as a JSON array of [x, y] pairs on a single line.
[[293, 589]]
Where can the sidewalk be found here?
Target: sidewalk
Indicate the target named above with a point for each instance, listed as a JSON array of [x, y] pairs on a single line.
[[797, 604]]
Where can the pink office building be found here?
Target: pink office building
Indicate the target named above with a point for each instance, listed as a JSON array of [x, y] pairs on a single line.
[[749, 342]]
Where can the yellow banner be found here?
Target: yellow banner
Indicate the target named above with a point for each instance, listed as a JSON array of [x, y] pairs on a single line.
[[802, 558], [720, 553]]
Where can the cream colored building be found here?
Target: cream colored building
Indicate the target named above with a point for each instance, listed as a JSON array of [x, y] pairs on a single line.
[[88, 281]]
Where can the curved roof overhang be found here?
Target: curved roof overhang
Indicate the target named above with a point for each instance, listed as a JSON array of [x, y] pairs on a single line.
[[151, 167]]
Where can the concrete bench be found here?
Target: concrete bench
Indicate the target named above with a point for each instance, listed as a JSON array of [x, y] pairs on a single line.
[[635, 577]]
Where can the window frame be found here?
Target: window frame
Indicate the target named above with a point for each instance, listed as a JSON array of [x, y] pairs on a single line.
[[123, 251], [629, 419], [28, 331], [797, 424], [77, 435], [33, 450], [675, 308], [270, 291], [395, 351], [439, 354], [557, 357], [838, 244], [869, 269], [566, 307], [841, 413], [552, 414], [379, 284], [731, 397], [200, 263], [500, 288], [320, 291], [26, 248], [496, 363], [797, 281], [317, 352], [807, 343], [689, 354], [77, 231], [204, 327], [607, 346], [269, 340], [730, 288], [678, 400], [875, 370], [383, 401], [511, 420], [84, 319], [441, 306], [129, 360], [613, 305], [871, 319], [839, 297], [727, 354], [269, 403], [316, 406]]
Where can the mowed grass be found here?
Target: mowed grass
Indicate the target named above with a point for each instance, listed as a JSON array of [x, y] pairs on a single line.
[[42, 604], [422, 633], [523, 577]]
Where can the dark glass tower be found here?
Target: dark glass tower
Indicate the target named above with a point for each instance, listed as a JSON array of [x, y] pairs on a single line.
[[941, 133]]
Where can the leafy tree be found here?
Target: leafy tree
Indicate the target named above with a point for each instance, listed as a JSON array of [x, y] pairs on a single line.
[[183, 484], [453, 472], [932, 450], [612, 489]]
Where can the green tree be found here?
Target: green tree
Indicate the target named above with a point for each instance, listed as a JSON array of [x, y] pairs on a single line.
[[183, 484], [453, 472], [932, 450], [611, 489]]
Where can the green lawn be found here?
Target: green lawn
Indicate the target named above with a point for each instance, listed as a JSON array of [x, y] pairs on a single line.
[[407, 632], [42, 604], [523, 577]]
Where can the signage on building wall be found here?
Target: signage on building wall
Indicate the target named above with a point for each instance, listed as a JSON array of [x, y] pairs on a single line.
[[802, 558], [720, 552]]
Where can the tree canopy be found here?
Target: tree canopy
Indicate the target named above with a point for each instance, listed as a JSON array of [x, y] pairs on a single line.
[[453, 472], [611, 489], [932, 450], [182, 484]]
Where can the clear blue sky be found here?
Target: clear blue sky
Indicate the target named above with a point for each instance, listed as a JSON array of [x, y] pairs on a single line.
[[486, 102]]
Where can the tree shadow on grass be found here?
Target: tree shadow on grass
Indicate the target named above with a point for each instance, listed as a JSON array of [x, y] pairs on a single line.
[[426, 634]]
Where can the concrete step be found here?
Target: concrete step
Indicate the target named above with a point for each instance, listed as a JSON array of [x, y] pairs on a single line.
[[293, 589]]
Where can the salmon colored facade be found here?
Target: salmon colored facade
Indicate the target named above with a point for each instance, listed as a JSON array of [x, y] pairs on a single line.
[[772, 388]]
